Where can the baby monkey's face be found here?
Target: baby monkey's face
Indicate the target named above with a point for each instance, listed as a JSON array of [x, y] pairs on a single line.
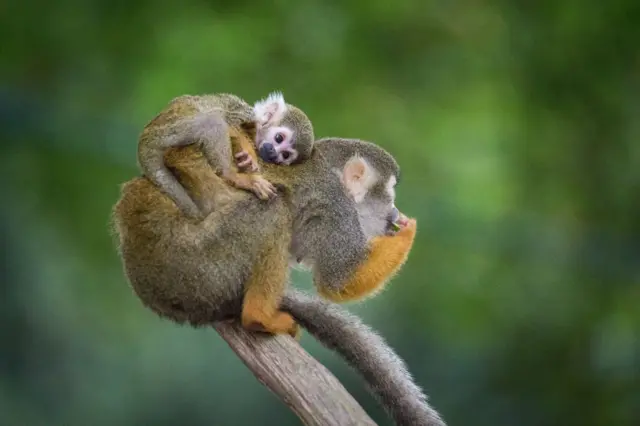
[[276, 145]]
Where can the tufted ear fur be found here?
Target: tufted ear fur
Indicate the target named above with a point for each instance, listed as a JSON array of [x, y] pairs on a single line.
[[270, 110], [358, 177]]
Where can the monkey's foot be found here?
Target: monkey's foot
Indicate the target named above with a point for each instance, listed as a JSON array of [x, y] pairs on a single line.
[[296, 332], [245, 162], [263, 188], [254, 183], [279, 323], [285, 322]]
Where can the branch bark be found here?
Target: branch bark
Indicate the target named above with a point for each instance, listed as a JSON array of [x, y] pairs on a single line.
[[298, 379]]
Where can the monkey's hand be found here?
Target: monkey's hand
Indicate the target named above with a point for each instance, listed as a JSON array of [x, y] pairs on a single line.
[[245, 162], [387, 253]]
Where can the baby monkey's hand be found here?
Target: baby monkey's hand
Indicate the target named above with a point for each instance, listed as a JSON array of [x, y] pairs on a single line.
[[245, 163]]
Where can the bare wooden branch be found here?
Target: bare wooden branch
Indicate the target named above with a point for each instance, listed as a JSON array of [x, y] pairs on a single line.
[[299, 380]]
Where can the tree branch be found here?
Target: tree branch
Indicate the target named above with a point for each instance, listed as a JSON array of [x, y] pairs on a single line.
[[299, 380]]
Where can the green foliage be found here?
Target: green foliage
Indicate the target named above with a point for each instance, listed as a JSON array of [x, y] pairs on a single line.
[[516, 128]]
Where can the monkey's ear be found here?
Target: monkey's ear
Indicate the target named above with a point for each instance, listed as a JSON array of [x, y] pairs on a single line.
[[358, 176], [270, 110]]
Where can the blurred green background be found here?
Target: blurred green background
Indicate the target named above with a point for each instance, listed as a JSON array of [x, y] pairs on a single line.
[[517, 128]]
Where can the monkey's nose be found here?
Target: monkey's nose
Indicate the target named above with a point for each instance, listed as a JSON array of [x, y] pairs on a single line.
[[268, 152]]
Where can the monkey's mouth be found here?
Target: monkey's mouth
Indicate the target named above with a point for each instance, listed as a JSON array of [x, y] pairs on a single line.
[[396, 223]]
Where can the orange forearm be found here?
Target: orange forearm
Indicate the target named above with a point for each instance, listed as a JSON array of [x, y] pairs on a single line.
[[387, 254]]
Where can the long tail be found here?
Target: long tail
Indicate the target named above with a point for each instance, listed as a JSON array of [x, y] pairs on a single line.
[[386, 374]]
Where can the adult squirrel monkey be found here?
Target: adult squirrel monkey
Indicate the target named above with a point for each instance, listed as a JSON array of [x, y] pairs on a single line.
[[334, 215]]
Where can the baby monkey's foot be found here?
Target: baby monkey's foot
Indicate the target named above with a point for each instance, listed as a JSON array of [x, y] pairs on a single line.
[[262, 187], [254, 183], [245, 162]]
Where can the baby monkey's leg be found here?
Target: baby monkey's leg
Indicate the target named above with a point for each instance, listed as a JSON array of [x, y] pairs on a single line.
[[263, 292], [242, 145], [246, 176]]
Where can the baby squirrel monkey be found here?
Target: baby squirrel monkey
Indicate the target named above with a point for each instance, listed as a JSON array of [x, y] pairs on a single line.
[[282, 135]]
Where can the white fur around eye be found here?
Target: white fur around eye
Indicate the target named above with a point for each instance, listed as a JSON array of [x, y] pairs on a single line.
[[271, 109], [358, 176], [286, 132], [391, 187]]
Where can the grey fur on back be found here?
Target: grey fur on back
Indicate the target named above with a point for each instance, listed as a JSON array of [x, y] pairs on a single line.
[[368, 353]]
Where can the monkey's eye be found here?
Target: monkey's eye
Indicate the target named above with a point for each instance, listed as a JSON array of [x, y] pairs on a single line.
[[279, 137], [286, 155]]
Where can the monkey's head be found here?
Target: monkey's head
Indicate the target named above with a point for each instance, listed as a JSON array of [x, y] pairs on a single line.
[[284, 133], [370, 175]]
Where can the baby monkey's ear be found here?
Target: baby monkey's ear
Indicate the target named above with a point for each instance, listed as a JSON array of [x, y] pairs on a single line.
[[271, 110], [358, 176]]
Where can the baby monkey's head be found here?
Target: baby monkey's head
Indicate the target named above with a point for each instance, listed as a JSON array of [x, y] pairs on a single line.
[[284, 133]]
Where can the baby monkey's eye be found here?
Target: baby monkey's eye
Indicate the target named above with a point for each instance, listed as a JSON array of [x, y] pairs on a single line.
[[286, 155], [279, 137]]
